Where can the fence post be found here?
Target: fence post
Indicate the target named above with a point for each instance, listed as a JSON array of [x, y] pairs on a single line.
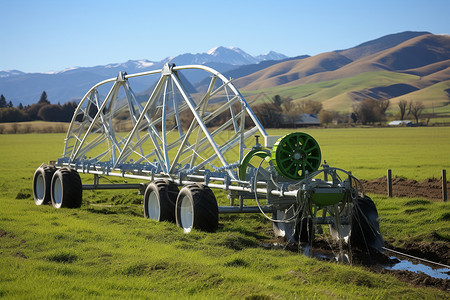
[[444, 185], [389, 183]]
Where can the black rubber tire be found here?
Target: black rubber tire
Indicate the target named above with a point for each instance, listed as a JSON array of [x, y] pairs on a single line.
[[365, 228], [166, 193], [41, 184], [66, 189], [202, 206]]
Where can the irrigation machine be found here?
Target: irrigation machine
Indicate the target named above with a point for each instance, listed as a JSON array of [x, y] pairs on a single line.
[[185, 140]]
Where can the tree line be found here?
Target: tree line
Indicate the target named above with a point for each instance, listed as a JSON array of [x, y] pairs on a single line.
[[42, 110], [371, 111], [276, 112], [283, 111]]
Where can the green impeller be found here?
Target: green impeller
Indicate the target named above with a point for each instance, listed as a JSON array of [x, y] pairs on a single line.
[[296, 154]]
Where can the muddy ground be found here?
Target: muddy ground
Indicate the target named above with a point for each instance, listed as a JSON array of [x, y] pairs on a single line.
[[438, 252], [430, 188], [327, 250]]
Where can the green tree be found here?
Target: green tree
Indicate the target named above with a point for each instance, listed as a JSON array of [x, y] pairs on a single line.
[[33, 110], [277, 100], [50, 113], [43, 99], [3, 101], [12, 114], [67, 111]]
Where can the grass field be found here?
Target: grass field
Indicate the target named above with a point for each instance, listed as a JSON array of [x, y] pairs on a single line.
[[417, 153], [107, 249]]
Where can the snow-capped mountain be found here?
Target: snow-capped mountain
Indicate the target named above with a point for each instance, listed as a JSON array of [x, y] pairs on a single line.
[[232, 55], [10, 73], [225, 55], [135, 64], [271, 55], [71, 83]]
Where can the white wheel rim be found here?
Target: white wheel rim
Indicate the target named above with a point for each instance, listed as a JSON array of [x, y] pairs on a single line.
[[40, 188], [186, 214], [153, 206], [57, 192]]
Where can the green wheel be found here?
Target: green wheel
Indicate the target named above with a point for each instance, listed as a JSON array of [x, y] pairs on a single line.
[[295, 154], [264, 154]]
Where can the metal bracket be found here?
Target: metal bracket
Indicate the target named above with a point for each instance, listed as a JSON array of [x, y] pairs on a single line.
[[167, 69], [121, 77]]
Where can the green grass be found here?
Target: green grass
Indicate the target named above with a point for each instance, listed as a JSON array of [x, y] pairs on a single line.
[[435, 98], [413, 220], [77, 254], [108, 250], [417, 152]]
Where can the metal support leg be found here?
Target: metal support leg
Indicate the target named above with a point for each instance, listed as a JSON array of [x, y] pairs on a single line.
[[96, 179]]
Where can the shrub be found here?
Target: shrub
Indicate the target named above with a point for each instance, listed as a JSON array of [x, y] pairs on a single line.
[[50, 113], [11, 114], [368, 111]]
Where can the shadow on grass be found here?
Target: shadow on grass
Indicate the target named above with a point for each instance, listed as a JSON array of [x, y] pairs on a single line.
[[63, 257], [237, 262], [415, 210], [417, 202], [114, 210], [140, 269]]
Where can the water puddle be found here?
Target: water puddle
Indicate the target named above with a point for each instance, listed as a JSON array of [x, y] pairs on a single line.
[[406, 265], [318, 253], [400, 264]]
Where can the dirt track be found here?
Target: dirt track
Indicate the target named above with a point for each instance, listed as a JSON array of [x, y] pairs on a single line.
[[429, 188]]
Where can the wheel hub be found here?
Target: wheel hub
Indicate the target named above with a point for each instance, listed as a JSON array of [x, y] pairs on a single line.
[[295, 155]]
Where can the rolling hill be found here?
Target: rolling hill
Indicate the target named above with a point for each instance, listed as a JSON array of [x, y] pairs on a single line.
[[408, 69], [407, 65], [380, 44]]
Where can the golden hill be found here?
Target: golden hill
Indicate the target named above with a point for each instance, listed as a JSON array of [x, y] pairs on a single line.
[[426, 56]]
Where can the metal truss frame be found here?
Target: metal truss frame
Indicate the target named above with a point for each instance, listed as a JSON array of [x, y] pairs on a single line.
[[92, 126]]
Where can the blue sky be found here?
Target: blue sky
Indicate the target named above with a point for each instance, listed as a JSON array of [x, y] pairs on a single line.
[[51, 35]]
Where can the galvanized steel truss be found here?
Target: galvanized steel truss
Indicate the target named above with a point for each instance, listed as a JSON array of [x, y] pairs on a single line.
[[176, 118]]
